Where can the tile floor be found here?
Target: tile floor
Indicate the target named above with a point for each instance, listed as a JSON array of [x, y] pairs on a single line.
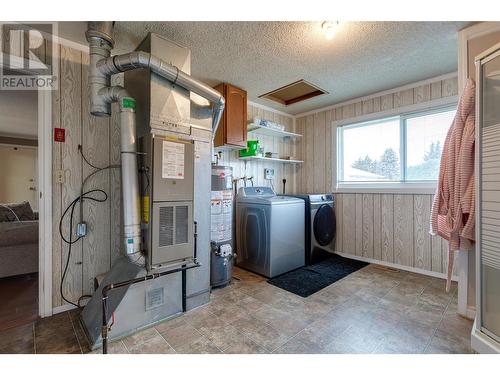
[[373, 310]]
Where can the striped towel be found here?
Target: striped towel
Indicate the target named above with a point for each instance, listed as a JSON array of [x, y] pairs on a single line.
[[453, 209]]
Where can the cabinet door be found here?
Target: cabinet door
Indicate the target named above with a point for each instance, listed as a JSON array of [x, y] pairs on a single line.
[[236, 116]]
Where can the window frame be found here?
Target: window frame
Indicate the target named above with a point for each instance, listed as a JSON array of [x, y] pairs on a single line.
[[403, 185]]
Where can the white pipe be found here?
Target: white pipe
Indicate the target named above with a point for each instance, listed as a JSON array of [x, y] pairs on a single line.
[[130, 180]]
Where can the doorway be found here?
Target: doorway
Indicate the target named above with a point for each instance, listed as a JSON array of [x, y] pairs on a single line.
[[19, 208]]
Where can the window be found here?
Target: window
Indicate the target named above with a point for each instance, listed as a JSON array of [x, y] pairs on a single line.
[[404, 148]]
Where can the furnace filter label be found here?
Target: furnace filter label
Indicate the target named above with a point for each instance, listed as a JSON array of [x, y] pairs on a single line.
[[173, 160]]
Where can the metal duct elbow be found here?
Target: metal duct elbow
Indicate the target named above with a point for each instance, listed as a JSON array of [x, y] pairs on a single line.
[[99, 36], [218, 109], [139, 59]]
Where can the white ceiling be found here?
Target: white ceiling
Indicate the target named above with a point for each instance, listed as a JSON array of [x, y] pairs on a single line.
[[363, 57], [19, 114]]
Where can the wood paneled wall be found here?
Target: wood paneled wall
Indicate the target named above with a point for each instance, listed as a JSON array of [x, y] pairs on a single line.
[[99, 137], [283, 146], [391, 228]]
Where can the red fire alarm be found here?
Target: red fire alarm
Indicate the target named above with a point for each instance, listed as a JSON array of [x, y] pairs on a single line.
[[59, 135]]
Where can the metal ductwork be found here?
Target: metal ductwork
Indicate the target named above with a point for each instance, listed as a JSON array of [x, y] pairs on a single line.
[[102, 67], [139, 59]]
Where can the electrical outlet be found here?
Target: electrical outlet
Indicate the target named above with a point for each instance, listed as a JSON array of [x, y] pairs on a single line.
[[268, 173], [59, 176]]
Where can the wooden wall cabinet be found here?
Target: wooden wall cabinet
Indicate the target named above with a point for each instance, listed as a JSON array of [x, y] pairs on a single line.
[[232, 131]]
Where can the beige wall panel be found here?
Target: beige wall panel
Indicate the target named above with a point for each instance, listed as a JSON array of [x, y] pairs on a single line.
[[367, 106], [340, 222], [368, 226], [377, 227], [319, 156], [348, 111], [309, 157], [449, 87], [436, 254], [403, 229], [95, 142], [403, 98], [359, 224], [386, 102], [387, 225], [330, 154], [422, 238], [349, 223], [436, 90], [71, 97], [422, 93], [376, 104]]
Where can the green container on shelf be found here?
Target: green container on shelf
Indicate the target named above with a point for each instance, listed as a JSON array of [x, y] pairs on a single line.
[[251, 150]]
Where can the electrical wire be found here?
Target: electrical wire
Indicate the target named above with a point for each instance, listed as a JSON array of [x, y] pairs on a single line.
[[70, 240], [80, 148]]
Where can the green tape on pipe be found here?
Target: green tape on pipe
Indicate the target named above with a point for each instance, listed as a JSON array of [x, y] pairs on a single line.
[[128, 103]]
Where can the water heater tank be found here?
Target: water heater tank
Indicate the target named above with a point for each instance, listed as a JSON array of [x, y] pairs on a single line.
[[221, 233]]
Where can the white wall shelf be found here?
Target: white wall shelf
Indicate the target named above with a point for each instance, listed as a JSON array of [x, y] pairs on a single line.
[[264, 130], [250, 158]]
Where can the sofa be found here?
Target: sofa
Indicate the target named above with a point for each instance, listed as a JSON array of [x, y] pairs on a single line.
[[18, 239]]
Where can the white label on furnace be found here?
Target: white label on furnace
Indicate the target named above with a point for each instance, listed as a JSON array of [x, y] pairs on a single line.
[[173, 160]]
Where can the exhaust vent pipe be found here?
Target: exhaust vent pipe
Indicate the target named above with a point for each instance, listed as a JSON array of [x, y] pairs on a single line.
[[143, 60], [102, 67]]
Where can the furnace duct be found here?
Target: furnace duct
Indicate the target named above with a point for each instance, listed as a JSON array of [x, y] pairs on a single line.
[[102, 67]]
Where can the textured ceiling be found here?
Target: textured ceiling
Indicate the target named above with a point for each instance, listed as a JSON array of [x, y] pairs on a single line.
[[362, 58]]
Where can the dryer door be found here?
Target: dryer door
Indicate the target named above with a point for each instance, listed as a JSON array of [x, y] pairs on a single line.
[[324, 225]]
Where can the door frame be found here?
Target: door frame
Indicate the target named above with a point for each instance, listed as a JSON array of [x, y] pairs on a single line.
[[45, 203], [44, 187]]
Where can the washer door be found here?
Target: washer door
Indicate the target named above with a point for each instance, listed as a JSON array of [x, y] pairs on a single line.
[[324, 225]]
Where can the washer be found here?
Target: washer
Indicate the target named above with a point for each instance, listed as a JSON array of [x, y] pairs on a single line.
[[320, 226], [269, 231]]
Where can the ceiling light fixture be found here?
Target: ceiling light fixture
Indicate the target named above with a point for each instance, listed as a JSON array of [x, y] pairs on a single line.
[[330, 28]]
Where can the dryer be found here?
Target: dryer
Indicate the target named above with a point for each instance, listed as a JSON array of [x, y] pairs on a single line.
[[269, 231], [320, 226]]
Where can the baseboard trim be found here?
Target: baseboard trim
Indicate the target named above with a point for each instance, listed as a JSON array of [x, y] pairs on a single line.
[[470, 312], [68, 307], [397, 266], [63, 308]]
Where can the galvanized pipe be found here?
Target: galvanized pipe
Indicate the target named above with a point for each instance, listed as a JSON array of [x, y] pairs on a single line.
[[139, 59], [100, 44], [130, 179]]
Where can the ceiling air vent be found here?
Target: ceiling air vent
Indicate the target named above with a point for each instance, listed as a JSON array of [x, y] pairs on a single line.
[[294, 93]]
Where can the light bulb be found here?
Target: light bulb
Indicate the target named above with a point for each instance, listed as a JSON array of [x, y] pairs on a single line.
[[329, 29]]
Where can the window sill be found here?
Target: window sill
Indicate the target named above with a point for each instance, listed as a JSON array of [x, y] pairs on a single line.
[[388, 188]]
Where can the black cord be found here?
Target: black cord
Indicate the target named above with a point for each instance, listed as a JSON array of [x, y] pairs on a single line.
[[70, 241], [80, 148]]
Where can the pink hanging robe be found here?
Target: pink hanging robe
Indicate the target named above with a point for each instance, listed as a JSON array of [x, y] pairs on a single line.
[[453, 209]]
